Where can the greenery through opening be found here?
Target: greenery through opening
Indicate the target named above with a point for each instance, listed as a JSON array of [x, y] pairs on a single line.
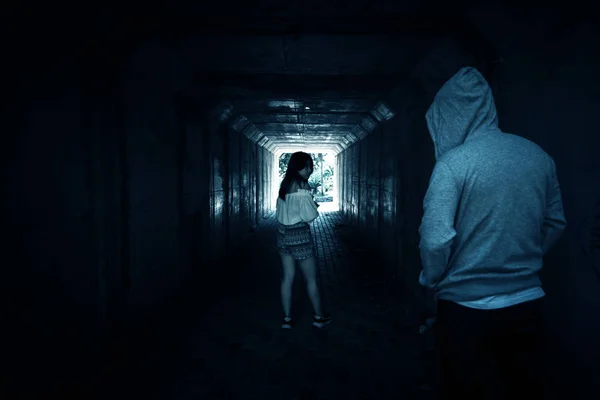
[[322, 177]]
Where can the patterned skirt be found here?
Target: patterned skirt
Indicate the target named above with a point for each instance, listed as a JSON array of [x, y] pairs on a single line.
[[295, 240]]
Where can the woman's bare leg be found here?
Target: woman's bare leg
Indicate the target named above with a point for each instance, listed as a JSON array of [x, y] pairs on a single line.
[[287, 281], [309, 269]]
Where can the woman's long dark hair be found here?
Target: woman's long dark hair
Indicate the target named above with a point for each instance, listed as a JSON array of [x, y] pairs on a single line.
[[298, 161]]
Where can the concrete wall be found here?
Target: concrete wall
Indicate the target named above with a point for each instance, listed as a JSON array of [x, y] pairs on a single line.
[[382, 183], [121, 191], [61, 191]]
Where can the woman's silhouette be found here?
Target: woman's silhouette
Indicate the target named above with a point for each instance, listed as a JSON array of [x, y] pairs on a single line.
[[296, 208]]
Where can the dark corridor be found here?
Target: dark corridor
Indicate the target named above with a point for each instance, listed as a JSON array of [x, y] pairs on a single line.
[[139, 176], [234, 349]]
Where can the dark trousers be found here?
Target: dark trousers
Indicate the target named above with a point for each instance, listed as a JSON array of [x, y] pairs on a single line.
[[491, 354]]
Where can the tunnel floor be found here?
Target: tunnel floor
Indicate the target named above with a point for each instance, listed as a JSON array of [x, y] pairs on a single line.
[[234, 348]]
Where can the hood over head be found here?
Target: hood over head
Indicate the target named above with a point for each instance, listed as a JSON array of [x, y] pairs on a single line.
[[462, 108]]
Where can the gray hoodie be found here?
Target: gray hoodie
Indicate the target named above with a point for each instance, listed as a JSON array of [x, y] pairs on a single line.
[[493, 207]]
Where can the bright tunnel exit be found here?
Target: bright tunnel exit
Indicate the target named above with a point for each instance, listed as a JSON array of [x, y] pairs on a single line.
[[323, 180]]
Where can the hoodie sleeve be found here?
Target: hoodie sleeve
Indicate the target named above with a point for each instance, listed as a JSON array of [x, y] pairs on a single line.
[[437, 226], [554, 221]]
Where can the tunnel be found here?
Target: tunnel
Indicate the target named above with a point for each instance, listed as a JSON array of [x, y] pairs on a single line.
[[141, 170]]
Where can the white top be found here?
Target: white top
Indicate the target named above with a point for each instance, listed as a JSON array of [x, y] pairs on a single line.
[[500, 300], [505, 300], [297, 207]]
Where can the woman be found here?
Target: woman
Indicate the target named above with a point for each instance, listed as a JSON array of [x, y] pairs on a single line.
[[296, 208]]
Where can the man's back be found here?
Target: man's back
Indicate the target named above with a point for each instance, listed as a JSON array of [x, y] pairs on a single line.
[[505, 182], [493, 205]]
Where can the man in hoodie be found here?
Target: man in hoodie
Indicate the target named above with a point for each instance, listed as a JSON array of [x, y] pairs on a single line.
[[492, 210]]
